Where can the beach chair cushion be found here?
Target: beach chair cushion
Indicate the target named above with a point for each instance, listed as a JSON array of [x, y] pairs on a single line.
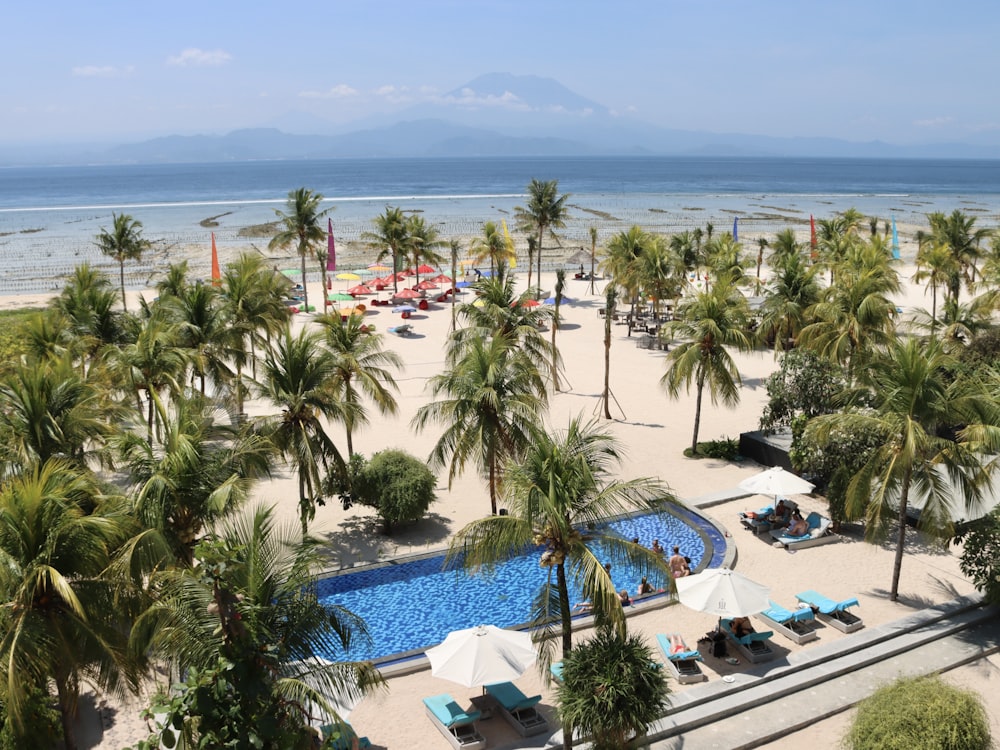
[[556, 669], [779, 614], [508, 695], [665, 646], [448, 712], [824, 604], [749, 638]]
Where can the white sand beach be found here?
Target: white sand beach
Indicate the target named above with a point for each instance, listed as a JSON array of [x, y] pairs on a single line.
[[654, 431]]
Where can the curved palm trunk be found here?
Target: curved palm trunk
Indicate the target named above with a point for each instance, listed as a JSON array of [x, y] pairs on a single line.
[[897, 563], [933, 307], [566, 617], [697, 411]]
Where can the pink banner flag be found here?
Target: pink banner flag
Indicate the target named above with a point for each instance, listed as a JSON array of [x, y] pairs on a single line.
[[331, 247]]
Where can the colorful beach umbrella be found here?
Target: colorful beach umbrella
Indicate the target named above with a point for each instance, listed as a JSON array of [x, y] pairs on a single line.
[[359, 289], [347, 276], [404, 309], [442, 279], [407, 294], [425, 269], [527, 303], [895, 240], [378, 267], [339, 297], [562, 300], [736, 229], [425, 285]]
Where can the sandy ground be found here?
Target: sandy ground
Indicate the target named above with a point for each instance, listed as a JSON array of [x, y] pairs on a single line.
[[655, 430]]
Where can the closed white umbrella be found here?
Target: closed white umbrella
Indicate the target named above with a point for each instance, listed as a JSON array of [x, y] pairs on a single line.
[[482, 655], [776, 481], [723, 592]]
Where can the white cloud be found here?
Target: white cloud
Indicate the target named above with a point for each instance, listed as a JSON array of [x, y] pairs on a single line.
[[934, 122], [340, 91], [100, 71], [469, 98], [200, 57]]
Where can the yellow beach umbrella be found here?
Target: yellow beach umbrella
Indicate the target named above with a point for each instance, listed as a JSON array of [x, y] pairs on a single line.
[[348, 276]]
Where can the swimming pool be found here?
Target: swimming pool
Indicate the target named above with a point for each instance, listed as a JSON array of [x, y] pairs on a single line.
[[411, 605]]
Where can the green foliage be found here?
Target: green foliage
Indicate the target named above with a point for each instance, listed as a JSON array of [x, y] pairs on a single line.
[[981, 554], [726, 449], [13, 342], [983, 352], [921, 713], [396, 484], [805, 384], [41, 729], [612, 689]]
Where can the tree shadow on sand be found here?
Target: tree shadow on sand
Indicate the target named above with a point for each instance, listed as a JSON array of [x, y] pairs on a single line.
[[360, 539]]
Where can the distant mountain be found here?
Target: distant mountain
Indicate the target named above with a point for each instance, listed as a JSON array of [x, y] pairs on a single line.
[[497, 114]]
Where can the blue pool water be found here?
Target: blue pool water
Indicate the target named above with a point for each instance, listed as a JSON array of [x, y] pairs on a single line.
[[412, 605]]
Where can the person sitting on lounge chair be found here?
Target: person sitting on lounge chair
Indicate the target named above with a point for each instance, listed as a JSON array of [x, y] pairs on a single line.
[[798, 526], [780, 515], [741, 626]]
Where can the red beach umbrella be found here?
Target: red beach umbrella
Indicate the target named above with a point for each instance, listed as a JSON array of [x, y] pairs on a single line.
[[359, 289], [406, 294], [424, 285], [442, 279], [425, 269], [528, 303]]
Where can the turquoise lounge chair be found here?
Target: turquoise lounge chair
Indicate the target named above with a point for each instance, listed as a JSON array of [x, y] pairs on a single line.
[[817, 533], [796, 625], [457, 725], [683, 664], [756, 647], [832, 611], [517, 708]]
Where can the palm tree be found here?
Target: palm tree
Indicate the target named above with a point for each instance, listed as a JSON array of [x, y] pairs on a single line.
[[913, 402], [784, 246], [302, 227], [545, 212], [252, 295], [959, 234], [422, 242], [593, 256], [248, 623], [66, 612], [560, 285], [793, 290], [391, 237], [204, 330], [200, 473], [492, 246], [726, 258], [622, 263], [361, 367], [610, 302], [710, 323], [124, 242], [175, 282], [492, 396], [558, 495], [658, 274], [297, 374], [938, 267], [87, 302]]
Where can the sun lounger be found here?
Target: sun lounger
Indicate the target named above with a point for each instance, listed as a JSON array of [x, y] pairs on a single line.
[[755, 647], [683, 664], [517, 708], [818, 533], [795, 624], [346, 740], [457, 725], [757, 520], [833, 612], [556, 670], [402, 330]]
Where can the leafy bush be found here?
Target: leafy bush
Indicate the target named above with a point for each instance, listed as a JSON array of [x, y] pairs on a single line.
[[612, 689], [981, 554], [42, 725], [396, 484], [727, 449], [922, 713], [12, 338], [806, 384]]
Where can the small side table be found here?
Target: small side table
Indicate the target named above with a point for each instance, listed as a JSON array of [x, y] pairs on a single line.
[[485, 704]]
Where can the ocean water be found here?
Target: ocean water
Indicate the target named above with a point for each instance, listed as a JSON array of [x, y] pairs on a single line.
[[49, 216]]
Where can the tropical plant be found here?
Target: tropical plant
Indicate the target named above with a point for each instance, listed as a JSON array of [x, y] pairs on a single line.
[[67, 610], [492, 246], [958, 233], [980, 560], [545, 211], [612, 689], [915, 406], [610, 303], [204, 330], [938, 267], [709, 325], [391, 237], [256, 644], [592, 231], [560, 285], [361, 367], [302, 228], [200, 472], [422, 242], [920, 713], [793, 290], [625, 250], [87, 302], [804, 385], [491, 398], [297, 373], [397, 485], [559, 494], [123, 242]]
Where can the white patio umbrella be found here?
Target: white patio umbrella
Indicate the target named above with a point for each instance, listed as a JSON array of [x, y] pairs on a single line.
[[482, 655], [776, 481], [723, 592]]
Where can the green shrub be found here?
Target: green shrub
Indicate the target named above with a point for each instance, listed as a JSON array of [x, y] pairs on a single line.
[[920, 713], [726, 449], [398, 485]]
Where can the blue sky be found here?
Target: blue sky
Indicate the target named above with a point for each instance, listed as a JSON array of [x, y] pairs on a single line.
[[902, 72]]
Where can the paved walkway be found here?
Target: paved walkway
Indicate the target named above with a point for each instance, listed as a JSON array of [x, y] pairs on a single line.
[[775, 698]]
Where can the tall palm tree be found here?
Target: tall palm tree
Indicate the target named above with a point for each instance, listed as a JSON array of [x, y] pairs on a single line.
[[491, 246], [422, 242], [301, 228], [593, 256], [560, 285], [658, 274], [725, 257], [87, 302], [610, 302], [793, 290], [252, 295], [622, 263], [710, 324], [200, 472], [558, 496], [938, 267], [67, 611], [204, 330], [784, 246], [958, 232], [491, 398], [391, 237], [123, 242], [545, 211], [362, 367], [247, 620], [914, 400], [297, 374]]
